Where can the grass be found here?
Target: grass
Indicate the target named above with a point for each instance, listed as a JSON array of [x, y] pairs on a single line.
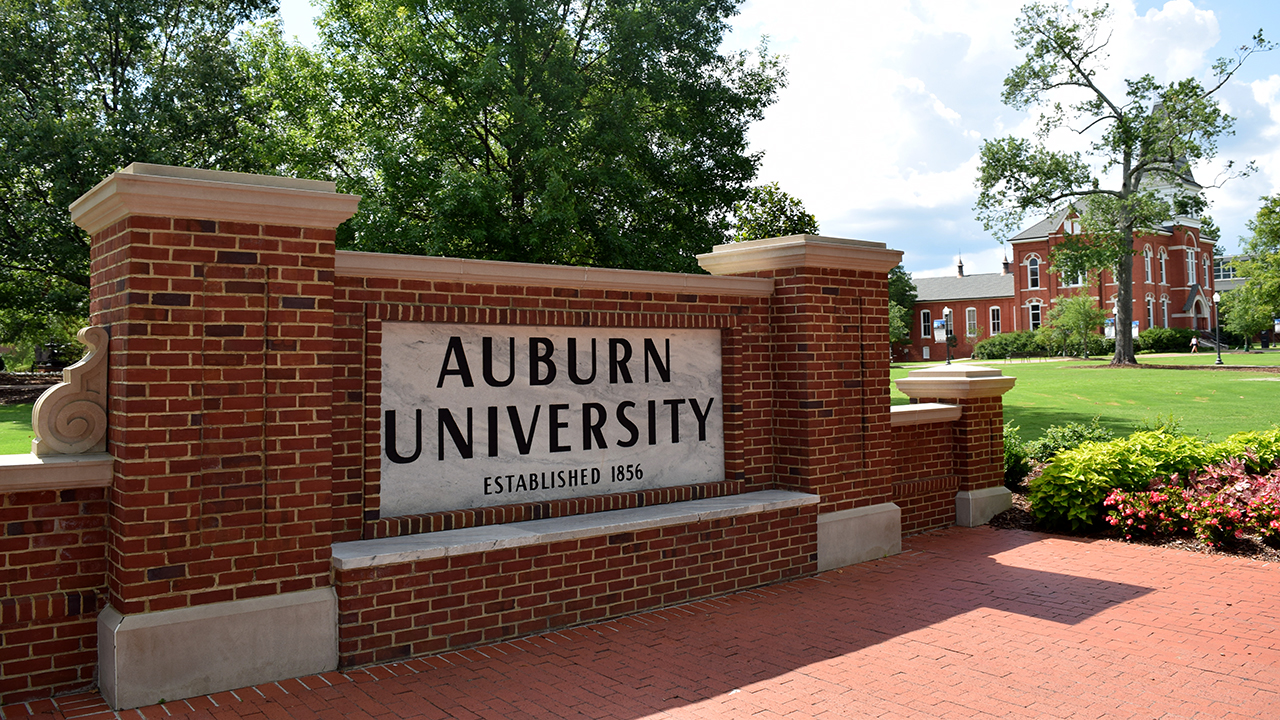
[[15, 429], [1206, 403]]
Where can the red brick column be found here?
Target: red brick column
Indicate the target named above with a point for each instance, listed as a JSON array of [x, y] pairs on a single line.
[[217, 291], [979, 433], [828, 358]]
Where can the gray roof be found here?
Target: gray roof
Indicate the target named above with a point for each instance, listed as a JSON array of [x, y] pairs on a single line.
[[969, 287], [1044, 227]]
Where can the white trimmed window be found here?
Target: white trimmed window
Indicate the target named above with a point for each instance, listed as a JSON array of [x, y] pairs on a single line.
[[971, 322], [926, 324], [1151, 312], [1034, 311], [1033, 272], [1146, 261], [1164, 309], [995, 321], [1164, 278], [1191, 267]]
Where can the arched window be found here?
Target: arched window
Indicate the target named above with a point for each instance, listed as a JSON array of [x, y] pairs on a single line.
[[1207, 264], [1191, 266], [1164, 309], [1033, 272], [1146, 261], [1164, 278], [1151, 311]]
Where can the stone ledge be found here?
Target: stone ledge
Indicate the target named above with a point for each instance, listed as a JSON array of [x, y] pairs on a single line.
[[793, 251], [958, 382], [493, 272], [25, 473], [923, 414], [408, 548]]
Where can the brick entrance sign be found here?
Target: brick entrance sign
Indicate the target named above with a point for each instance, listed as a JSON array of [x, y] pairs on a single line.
[[318, 459]]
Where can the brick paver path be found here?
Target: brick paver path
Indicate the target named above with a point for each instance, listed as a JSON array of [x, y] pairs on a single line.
[[965, 623]]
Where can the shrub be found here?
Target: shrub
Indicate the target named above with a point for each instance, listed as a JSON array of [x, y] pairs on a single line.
[[1065, 437], [1016, 465], [1258, 450], [1165, 340], [998, 347], [1070, 490]]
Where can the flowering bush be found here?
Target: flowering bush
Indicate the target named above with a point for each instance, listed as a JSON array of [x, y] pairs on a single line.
[[1218, 503]]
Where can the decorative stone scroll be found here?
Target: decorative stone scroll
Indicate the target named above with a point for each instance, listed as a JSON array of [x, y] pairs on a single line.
[[71, 417]]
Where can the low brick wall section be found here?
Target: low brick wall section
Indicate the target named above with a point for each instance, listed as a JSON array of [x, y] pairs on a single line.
[[924, 477], [52, 584], [427, 606]]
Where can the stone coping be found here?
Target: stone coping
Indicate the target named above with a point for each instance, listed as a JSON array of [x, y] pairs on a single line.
[[794, 251], [25, 473], [146, 189], [923, 414], [955, 381], [495, 272], [408, 548]]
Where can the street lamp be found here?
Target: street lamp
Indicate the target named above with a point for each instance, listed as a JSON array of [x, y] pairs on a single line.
[[946, 319], [1217, 327]]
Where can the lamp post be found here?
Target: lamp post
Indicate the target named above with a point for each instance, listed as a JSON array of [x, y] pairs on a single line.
[[1217, 327], [946, 318]]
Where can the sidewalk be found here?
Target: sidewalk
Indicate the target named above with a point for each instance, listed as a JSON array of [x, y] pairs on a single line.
[[965, 623]]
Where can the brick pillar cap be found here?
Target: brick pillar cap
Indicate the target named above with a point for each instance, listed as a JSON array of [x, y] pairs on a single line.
[[192, 194], [955, 381], [795, 251]]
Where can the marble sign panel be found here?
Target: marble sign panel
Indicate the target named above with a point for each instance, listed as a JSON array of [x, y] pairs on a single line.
[[480, 415]]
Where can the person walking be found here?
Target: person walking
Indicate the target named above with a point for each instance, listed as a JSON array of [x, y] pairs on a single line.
[[1195, 345]]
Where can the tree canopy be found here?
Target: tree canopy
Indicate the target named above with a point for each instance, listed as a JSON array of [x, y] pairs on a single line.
[[1075, 317], [902, 297], [1141, 144], [1249, 309], [86, 88], [555, 131], [767, 212]]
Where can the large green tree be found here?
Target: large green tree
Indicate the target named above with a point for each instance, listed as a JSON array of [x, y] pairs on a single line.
[[902, 297], [86, 87], [1141, 141], [590, 132], [1249, 309], [1073, 317]]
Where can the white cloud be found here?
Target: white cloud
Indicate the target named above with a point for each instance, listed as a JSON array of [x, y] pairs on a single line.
[[976, 263]]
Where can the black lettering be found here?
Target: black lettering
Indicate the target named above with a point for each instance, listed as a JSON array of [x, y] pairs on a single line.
[[593, 417], [663, 368], [540, 350], [653, 423], [524, 441], [455, 351], [520, 484], [701, 415], [619, 356], [445, 421], [556, 426], [573, 363], [493, 431], [675, 417], [486, 485], [560, 477], [595, 476], [626, 423], [486, 358], [389, 433]]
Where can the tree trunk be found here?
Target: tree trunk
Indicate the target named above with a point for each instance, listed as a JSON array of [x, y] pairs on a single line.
[[1124, 305]]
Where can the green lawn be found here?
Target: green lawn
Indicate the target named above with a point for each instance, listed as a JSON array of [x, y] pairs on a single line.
[[15, 429], [1207, 403]]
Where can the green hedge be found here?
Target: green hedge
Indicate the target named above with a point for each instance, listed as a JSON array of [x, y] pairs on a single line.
[[999, 347], [1165, 340]]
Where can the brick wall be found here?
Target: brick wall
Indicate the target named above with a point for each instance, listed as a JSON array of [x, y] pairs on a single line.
[[925, 477], [52, 584], [414, 608], [219, 387]]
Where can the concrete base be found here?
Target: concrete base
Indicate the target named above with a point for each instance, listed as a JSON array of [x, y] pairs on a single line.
[[858, 535], [976, 507], [173, 654]]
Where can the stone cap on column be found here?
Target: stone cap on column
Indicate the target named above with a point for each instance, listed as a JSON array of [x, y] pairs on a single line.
[[795, 251], [188, 193], [955, 381]]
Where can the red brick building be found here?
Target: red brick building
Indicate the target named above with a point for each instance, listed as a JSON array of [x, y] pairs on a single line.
[[1173, 284]]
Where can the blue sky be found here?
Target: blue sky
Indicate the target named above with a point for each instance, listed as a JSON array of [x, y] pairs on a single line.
[[888, 102]]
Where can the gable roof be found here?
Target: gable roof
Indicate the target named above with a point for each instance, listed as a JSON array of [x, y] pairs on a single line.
[[969, 287]]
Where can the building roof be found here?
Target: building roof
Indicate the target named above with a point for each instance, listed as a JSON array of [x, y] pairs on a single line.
[[969, 287]]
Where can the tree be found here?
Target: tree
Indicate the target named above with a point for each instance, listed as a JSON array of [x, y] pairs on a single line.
[[1075, 316], [902, 297], [556, 131], [86, 88], [769, 212], [1243, 313], [1261, 262], [1145, 140]]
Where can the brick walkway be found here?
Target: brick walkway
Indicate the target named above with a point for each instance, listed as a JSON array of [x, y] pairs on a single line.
[[966, 623]]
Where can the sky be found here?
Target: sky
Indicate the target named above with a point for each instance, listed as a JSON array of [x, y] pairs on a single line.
[[888, 103]]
